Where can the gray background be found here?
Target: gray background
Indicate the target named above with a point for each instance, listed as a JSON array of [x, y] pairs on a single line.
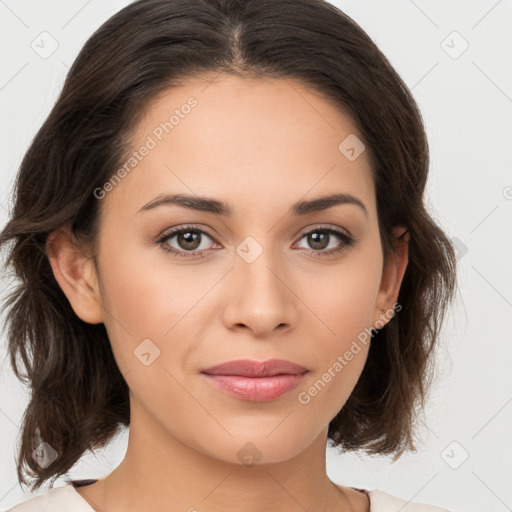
[[465, 96]]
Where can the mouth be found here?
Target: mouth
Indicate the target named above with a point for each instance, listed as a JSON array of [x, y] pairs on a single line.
[[257, 381], [252, 368]]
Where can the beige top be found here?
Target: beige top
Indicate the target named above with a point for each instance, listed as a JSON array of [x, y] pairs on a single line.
[[66, 499]]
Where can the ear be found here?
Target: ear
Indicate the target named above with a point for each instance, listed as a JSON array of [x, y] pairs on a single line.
[[392, 277], [76, 274]]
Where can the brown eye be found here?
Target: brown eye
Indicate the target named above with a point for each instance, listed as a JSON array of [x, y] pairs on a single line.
[[187, 240], [319, 240]]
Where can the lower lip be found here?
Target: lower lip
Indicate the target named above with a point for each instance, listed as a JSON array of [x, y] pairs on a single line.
[[256, 389]]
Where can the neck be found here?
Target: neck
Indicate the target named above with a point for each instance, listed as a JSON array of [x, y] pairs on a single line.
[[161, 470]]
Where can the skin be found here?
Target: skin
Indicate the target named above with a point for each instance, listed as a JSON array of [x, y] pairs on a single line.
[[245, 143]]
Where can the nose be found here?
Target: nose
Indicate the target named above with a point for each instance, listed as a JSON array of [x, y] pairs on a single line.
[[260, 297]]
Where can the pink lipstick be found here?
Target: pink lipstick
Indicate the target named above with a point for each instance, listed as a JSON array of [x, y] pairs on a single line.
[[257, 381]]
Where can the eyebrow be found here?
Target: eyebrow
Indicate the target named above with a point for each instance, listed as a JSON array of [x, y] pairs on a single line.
[[209, 205]]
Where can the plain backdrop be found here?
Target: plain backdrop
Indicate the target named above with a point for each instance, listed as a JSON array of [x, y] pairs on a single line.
[[455, 56]]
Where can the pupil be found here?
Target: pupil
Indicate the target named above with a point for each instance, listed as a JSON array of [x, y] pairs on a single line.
[[189, 239], [316, 242]]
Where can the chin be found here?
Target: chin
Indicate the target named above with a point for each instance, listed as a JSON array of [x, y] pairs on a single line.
[[256, 447]]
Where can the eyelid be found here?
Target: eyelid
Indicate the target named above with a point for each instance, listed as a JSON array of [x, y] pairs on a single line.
[[201, 228], [321, 226], [182, 227], [346, 238]]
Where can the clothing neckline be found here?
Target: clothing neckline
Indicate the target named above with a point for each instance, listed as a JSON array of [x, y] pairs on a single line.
[[82, 483], [89, 481]]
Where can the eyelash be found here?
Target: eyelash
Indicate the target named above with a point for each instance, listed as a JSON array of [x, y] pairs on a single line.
[[346, 239]]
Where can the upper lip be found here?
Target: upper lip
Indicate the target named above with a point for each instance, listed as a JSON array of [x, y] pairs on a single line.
[[252, 368]]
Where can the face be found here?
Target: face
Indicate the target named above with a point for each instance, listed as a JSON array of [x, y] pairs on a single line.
[[262, 282]]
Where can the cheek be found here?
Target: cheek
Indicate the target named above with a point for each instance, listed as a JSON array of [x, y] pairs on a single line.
[[344, 303], [144, 291], [144, 301], [149, 308], [341, 350], [344, 297]]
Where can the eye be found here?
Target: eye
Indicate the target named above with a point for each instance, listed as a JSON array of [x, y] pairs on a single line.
[[189, 240], [320, 239]]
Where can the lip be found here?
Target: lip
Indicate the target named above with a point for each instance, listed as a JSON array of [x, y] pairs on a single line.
[[253, 368], [257, 381]]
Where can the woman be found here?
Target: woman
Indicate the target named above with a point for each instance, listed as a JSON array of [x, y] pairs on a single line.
[[221, 242]]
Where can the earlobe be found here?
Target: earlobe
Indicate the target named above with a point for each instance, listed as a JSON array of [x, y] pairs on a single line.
[[392, 278], [76, 274]]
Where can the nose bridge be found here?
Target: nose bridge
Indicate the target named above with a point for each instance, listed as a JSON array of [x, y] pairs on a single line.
[[256, 265], [261, 300]]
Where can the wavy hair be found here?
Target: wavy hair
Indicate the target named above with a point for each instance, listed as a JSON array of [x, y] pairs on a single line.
[[144, 49]]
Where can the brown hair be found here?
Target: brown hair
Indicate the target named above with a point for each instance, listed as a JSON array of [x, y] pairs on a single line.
[[142, 50]]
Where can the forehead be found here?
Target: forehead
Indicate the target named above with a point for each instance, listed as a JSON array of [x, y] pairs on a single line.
[[255, 143]]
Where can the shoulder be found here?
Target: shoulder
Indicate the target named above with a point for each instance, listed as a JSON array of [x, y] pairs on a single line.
[[381, 501], [57, 499]]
